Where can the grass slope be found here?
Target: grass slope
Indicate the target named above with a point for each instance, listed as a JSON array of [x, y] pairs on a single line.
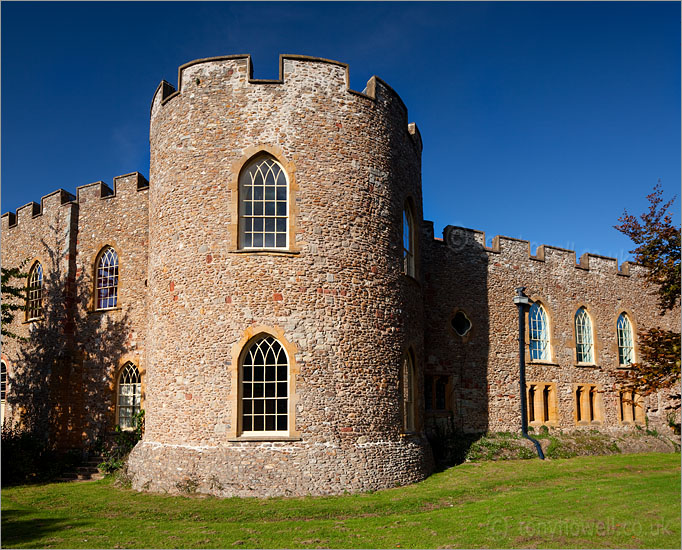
[[620, 501]]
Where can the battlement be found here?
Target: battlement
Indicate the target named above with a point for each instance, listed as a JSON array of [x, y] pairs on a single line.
[[48, 204], [122, 185], [462, 239], [310, 74]]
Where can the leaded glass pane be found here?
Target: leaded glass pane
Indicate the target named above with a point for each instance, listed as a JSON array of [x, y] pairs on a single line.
[[539, 333], [626, 349], [107, 279], [3, 382], [584, 345], [34, 297], [265, 387], [129, 396], [263, 205]]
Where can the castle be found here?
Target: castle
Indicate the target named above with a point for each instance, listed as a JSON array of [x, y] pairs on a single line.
[[276, 303]]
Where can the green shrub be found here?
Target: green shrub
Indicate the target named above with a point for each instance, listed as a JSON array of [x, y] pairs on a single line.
[[557, 449], [28, 457], [124, 441]]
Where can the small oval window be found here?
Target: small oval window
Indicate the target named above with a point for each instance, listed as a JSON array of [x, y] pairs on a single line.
[[461, 324]]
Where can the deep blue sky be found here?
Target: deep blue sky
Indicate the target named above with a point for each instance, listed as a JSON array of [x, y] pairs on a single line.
[[541, 121]]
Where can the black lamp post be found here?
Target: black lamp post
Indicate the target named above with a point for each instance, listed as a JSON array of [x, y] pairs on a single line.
[[522, 302]]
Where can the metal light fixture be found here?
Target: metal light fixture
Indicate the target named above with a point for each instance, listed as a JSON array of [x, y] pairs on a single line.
[[522, 302]]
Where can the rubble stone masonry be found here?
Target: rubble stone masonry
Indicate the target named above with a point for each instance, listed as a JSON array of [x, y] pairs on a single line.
[[192, 300]]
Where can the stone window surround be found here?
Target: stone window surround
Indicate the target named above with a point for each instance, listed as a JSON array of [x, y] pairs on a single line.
[[625, 412], [95, 270], [113, 387], [239, 349], [34, 262], [3, 401], [409, 210], [432, 376], [100, 247], [595, 342], [408, 359], [536, 298], [585, 404], [250, 154], [633, 327], [467, 336], [538, 411]]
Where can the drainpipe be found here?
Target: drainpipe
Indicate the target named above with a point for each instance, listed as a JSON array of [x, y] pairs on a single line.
[[522, 301]]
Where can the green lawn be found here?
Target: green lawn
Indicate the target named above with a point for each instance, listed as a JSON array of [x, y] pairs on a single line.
[[619, 501]]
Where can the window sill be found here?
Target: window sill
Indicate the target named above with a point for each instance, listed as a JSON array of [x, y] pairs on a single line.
[[439, 413], [587, 366], [626, 367], [542, 363], [92, 311], [261, 438], [266, 252], [34, 320]]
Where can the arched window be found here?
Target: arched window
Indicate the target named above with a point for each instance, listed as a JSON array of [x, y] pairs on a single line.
[[626, 348], [265, 388], [107, 279], [539, 333], [584, 344], [129, 393], [263, 205], [3, 391], [408, 393], [34, 293], [3, 381], [408, 241]]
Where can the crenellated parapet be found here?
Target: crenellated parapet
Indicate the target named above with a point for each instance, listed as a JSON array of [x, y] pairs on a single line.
[[310, 79], [462, 239], [122, 186], [48, 205]]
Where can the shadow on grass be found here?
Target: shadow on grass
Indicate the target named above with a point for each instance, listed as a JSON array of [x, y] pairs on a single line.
[[18, 530], [452, 449]]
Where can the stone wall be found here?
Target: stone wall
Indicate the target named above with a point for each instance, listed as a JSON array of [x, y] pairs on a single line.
[[336, 298], [62, 381], [463, 273], [40, 371], [109, 338]]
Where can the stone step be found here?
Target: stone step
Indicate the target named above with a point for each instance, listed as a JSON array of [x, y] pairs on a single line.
[[87, 469]]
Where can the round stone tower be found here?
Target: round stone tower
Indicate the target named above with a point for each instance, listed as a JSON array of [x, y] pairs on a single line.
[[285, 308]]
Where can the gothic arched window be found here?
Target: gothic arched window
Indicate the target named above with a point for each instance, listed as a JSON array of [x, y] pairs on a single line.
[[584, 343], [34, 293], [3, 381], [407, 391], [626, 347], [539, 333], [264, 387], [3, 392], [263, 205], [408, 241], [129, 395], [107, 279]]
